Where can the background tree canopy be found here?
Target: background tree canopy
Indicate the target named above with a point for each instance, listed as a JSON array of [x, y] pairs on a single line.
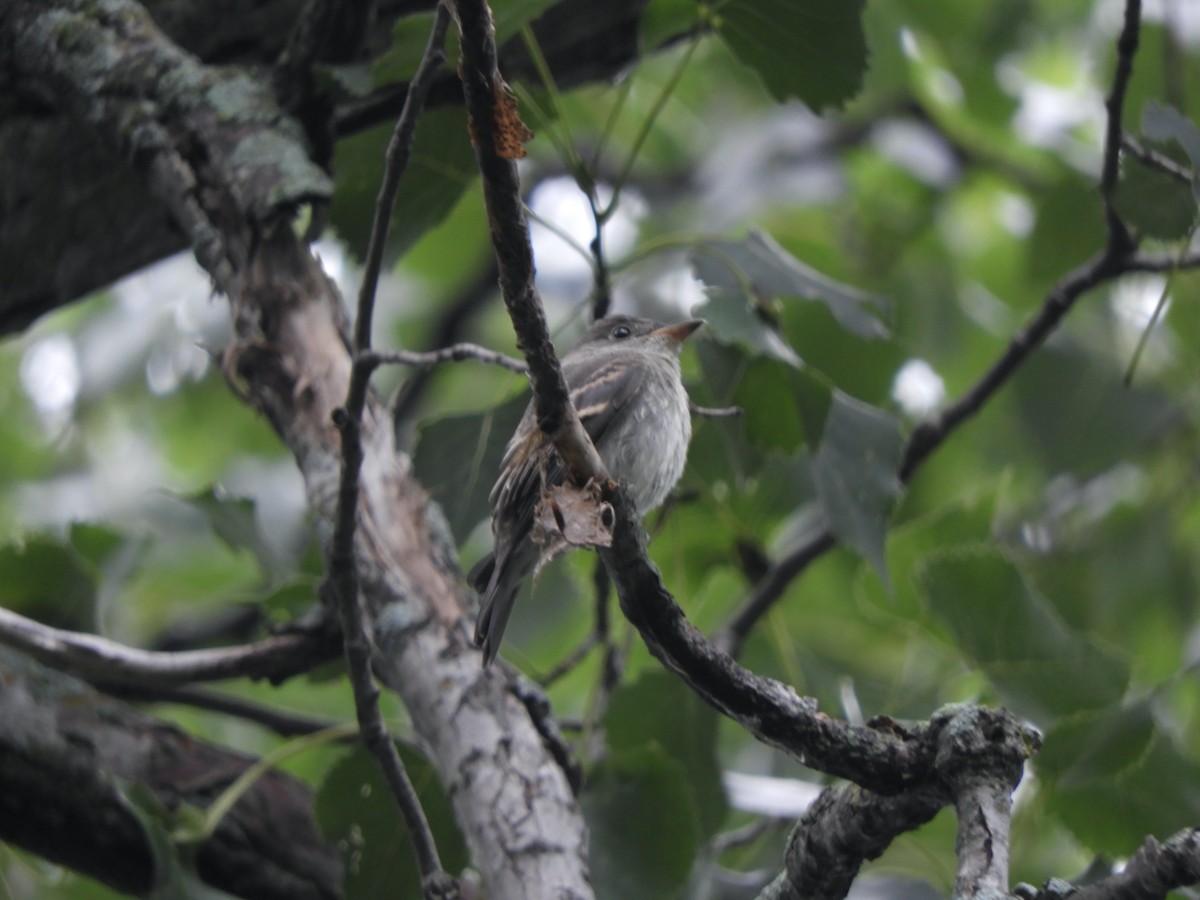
[[946, 254]]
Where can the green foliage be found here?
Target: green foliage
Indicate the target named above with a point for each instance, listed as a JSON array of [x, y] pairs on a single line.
[[643, 823], [807, 49], [356, 811]]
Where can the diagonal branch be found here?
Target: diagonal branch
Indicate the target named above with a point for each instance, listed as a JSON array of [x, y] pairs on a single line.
[[489, 108]]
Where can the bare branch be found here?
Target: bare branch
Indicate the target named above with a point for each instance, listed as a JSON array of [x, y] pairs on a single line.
[[66, 752], [491, 127], [275, 658], [1120, 242], [715, 412], [453, 353], [1153, 872], [844, 828], [343, 572]]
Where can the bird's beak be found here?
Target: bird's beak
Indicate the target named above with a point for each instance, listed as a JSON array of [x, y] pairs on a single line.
[[680, 331]]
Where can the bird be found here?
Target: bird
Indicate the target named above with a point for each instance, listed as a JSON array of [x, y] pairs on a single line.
[[624, 381]]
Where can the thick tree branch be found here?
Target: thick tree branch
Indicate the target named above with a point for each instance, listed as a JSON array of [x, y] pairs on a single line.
[[67, 755], [877, 756], [1153, 872]]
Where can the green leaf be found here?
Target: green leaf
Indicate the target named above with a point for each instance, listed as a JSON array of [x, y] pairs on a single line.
[[232, 519], [1156, 204], [442, 166], [47, 579], [855, 475], [643, 824], [783, 408], [758, 269], [1112, 811], [1040, 665], [659, 710], [1096, 745], [1163, 123], [355, 810], [663, 20], [510, 16], [461, 481], [813, 50]]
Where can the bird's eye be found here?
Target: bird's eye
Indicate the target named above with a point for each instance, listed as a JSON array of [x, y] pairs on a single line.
[[621, 331]]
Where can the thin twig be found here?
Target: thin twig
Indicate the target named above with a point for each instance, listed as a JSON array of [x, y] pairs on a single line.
[[715, 412], [1155, 160], [274, 658], [570, 662], [343, 573], [1120, 242], [1117, 258], [282, 722], [454, 353]]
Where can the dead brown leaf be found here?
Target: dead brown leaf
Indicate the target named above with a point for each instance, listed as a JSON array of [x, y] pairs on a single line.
[[568, 516]]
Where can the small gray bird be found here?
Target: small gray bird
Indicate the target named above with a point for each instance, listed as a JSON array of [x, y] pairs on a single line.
[[623, 378]]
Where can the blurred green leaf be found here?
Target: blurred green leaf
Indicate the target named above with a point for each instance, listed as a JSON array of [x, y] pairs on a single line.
[[808, 49], [461, 480], [659, 710], [1097, 744], [1039, 665], [355, 810], [1162, 123], [1111, 811], [784, 409], [441, 167], [666, 19], [757, 270], [233, 520], [643, 824], [1068, 229], [854, 471], [45, 578], [1154, 203]]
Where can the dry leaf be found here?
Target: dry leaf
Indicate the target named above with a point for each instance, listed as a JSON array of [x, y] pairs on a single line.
[[511, 133], [568, 516]]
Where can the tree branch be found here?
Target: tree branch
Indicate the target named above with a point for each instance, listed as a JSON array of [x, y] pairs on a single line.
[[453, 353], [65, 753], [490, 111], [274, 658], [343, 570], [1153, 872]]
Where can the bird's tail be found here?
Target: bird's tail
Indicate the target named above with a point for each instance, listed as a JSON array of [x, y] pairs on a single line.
[[494, 580]]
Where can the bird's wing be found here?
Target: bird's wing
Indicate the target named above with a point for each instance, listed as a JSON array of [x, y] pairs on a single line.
[[599, 393]]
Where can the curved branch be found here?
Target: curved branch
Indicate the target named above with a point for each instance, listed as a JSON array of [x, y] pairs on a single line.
[[274, 658]]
